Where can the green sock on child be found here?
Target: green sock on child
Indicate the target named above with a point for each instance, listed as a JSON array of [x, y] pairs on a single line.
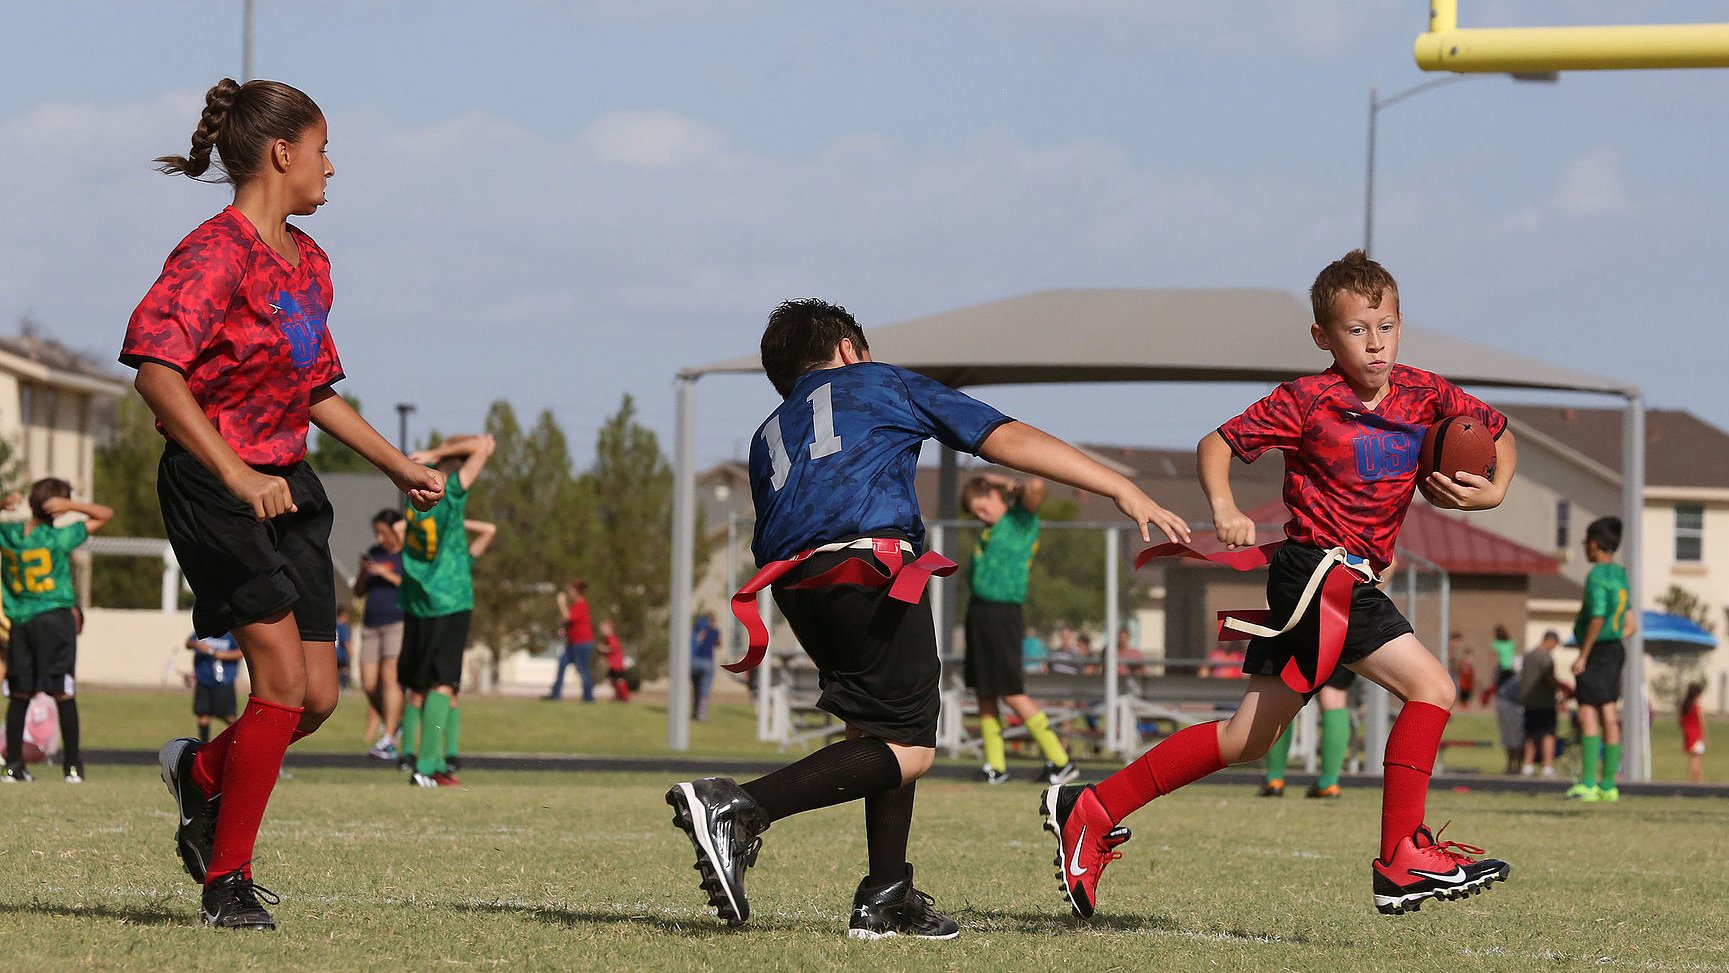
[[1278, 756], [1049, 743], [991, 729], [433, 718], [453, 730], [1335, 740], [1611, 764], [1590, 760]]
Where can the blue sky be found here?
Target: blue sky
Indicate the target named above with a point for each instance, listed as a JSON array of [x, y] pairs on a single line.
[[561, 202]]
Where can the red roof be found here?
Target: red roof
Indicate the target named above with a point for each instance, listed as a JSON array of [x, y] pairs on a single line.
[[1458, 546]]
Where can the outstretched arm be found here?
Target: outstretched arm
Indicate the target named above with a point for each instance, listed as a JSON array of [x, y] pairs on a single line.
[[474, 450], [332, 413], [480, 535], [1213, 461], [1030, 450], [97, 513]]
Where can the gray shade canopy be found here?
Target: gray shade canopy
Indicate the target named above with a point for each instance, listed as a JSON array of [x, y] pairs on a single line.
[[1162, 335]]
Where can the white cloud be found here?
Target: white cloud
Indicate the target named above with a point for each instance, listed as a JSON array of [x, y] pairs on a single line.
[[655, 139], [1593, 184]]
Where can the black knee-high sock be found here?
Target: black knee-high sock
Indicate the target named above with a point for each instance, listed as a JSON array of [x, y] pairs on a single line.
[[888, 822], [69, 754], [840, 772], [15, 710], [204, 733]]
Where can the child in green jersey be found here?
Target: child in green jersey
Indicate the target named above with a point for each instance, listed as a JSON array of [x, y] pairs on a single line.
[[437, 596], [1602, 623], [36, 583]]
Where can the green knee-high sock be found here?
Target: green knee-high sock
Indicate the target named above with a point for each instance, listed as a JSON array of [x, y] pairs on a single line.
[[1611, 763], [410, 742], [434, 717], [1278, 756], [453, 730], [1590, 760], [992, 730], [1335, 740], [1049, 743]]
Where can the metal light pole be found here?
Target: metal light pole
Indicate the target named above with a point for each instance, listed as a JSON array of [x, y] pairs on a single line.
[[1377, 103], [402, 411], [246, 42]]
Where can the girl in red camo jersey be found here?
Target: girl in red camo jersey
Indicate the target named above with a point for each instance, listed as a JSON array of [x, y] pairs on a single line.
[[234, 358]]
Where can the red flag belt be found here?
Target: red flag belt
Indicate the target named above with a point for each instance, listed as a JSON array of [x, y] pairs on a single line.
[[906, 581], [1333, 587]]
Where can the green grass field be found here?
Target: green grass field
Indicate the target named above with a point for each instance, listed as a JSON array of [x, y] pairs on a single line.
[[548, 871]]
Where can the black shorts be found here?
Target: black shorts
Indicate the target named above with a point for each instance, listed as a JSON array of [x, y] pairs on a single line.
[[43, 655], [1342, 678], [242, 570], [1374, 622], [995, 630], [1539, 723], [876, 657], [1600, 683], [432, 651], [213, 700]]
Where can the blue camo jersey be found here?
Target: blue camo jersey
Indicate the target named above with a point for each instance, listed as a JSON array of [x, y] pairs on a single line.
[[838, 458]]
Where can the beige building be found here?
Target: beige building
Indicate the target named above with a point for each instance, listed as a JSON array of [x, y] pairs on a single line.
[[53, 405]]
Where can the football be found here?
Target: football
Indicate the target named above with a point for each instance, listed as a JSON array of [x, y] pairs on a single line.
[[1457, 444]]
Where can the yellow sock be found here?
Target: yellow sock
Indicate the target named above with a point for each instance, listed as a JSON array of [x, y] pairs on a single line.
[[1049, 743], [992, 728]]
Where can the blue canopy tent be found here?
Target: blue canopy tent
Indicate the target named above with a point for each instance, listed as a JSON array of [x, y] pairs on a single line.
[[1667, 634]]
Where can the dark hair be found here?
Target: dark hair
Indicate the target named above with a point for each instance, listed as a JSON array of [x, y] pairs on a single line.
[[1691, 695], [803, 334], [580, 585], [239, 121], [388, 517], [41, 490], [1354, 273], [1605, 532], [1501, 633]]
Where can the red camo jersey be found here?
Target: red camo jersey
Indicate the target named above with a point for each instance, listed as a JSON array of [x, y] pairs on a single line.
[[246, 330], [1350, 473]]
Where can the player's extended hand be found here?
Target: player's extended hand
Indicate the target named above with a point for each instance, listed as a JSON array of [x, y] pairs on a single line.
[[423, 485], [1468, 491], [1141, 509], [267, 495], [12, 500], [1234, 528]]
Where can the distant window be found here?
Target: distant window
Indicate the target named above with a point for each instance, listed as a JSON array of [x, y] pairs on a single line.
[[1563, 525], [27, 404], [1689, 532]]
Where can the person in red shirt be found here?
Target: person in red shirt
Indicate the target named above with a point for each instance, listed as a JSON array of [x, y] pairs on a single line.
[[235, 359], [578, 641], [1693, 732], [1351, 437], [615, 663]]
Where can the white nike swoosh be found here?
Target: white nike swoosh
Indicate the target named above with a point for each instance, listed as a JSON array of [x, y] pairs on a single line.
[[184, 821], [1074, 859], [1456, 875]]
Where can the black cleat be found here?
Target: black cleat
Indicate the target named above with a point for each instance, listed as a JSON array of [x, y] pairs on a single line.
[[993, 776], [406, 762], [1271, 788], [1058, 776], [453, 762], [16, 773], [231, 902], [195, 838], [897, 909], [723, 823]]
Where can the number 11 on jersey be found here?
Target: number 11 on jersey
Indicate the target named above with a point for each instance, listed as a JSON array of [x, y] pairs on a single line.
[[822, 426]]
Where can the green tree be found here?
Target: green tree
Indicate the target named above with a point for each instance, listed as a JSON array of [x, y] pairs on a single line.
[[528, 490], [331, 455], [628, 497], [1679, 601], [126, 480]]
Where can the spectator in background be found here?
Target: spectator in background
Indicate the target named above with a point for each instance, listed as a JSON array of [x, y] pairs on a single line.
[[1510, 719], [704, 636], [1464, 669], [578, 640], [616, 665], [1537, 689], [215, 663], [1693, 732], [1034, 653], [1506, 655], [344, 665], [377, 581]]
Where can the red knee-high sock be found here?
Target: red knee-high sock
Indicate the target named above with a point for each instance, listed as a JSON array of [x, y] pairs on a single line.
[[212, 757], [1411, 747], [1183, 758], [260, 738]]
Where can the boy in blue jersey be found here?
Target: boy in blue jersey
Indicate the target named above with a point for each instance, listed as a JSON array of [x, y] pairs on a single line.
[[832, 476], [215, 663]]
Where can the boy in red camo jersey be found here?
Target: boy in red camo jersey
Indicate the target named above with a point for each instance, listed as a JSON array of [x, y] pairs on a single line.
[[1351, 437], [234, 358]]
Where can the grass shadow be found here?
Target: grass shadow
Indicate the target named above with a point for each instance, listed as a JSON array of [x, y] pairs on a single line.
[[144, 915], [1058, 923], [678, 926]]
